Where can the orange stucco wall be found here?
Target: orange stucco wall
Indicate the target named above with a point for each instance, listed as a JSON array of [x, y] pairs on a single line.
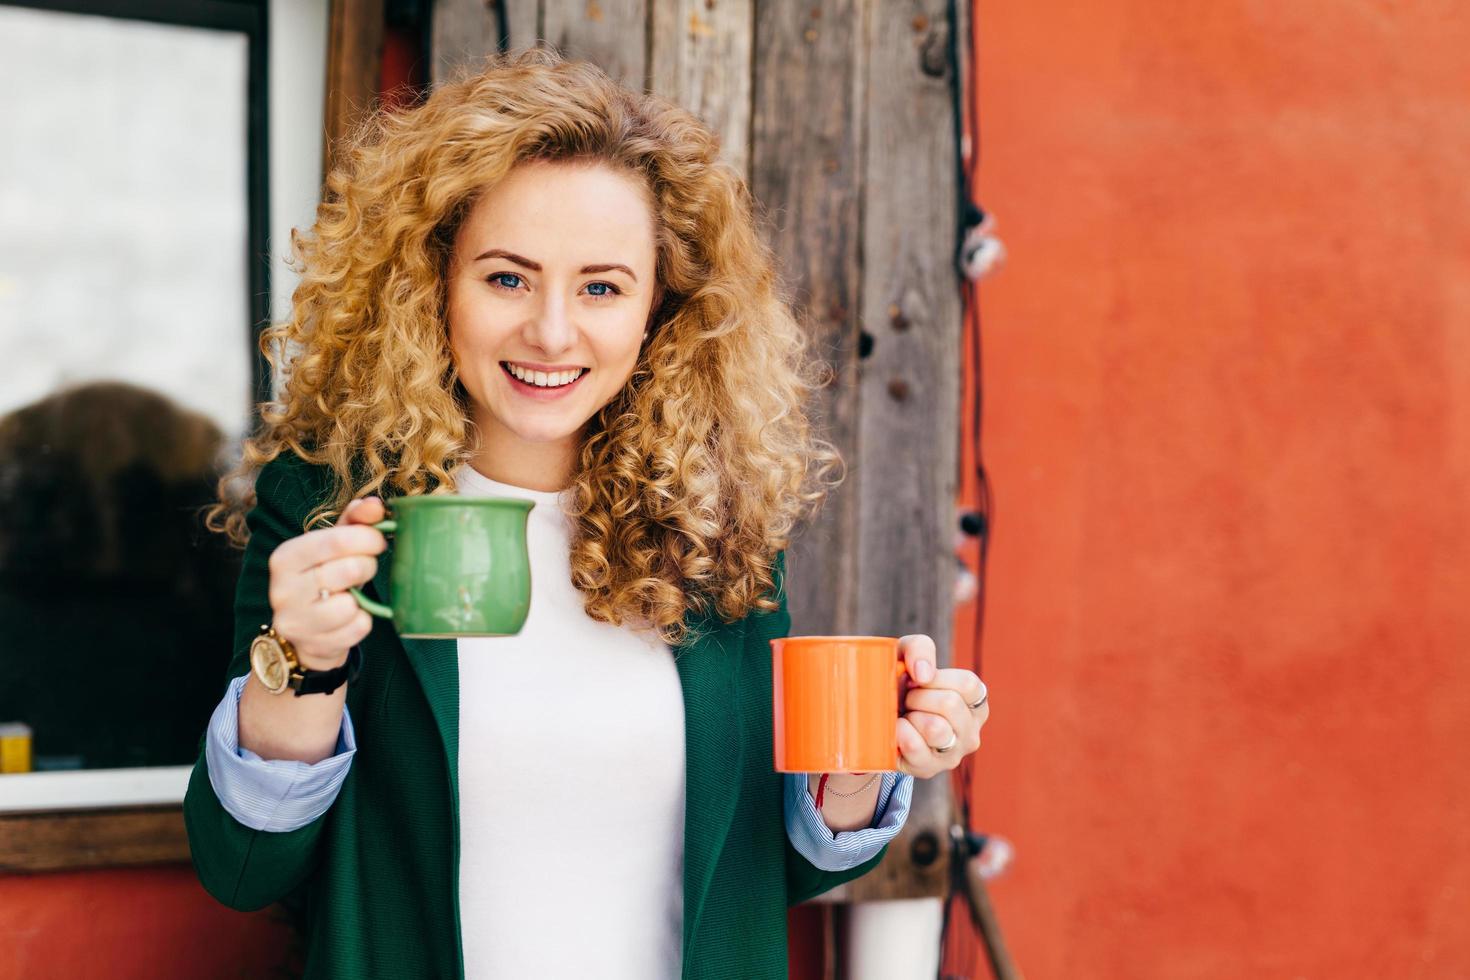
[[1227, 421]]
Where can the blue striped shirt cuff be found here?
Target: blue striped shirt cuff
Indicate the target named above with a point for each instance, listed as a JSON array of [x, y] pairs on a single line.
[[816, 842], [276, 795]]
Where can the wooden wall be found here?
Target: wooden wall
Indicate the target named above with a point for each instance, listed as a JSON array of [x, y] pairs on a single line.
[[839, 114]]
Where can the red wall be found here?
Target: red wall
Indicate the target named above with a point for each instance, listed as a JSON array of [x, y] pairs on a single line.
[[141, 923], [1227, 421]]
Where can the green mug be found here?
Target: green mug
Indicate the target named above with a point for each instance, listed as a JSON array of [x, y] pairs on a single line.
[[459, 566]]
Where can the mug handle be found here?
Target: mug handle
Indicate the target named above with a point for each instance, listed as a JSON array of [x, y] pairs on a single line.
[[901, 678], [376, 608]]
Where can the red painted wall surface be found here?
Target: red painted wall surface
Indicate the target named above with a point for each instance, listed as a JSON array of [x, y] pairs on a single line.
[[1227, 420], [133, 924]]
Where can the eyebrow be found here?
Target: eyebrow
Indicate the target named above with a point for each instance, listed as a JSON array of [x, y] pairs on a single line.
[[500, 253]]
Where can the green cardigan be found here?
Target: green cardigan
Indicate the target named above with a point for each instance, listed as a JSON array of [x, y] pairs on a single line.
[[379, 871]]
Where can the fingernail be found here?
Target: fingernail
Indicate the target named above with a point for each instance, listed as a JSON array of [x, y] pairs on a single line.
[[926, 672]]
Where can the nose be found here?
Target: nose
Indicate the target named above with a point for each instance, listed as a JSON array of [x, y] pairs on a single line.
[[551, 329]]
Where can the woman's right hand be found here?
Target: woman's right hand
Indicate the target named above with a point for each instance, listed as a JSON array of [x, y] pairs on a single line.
[[333, 558]]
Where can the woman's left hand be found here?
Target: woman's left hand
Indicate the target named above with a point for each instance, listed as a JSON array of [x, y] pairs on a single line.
[[937, 711]]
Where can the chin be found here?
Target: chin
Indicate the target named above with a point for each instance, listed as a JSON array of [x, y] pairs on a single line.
[[543, 431]]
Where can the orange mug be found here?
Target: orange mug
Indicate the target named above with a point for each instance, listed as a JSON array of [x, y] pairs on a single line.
[[837, 703]]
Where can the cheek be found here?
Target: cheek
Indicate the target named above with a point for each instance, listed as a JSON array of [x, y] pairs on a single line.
[[455, 322], [461, 352], [621, 357], [471, 332]]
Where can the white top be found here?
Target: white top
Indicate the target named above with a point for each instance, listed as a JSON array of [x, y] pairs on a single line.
[[571, 783]]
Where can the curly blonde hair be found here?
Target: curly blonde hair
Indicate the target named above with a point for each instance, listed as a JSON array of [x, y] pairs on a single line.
[[691, 480]]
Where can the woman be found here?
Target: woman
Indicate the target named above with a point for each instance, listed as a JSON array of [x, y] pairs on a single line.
[[539, 284]]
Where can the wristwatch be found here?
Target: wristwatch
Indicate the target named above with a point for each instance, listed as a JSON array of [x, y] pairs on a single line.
[[274, 662]]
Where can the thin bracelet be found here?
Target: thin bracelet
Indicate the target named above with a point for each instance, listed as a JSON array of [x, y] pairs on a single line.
[[822, 785]]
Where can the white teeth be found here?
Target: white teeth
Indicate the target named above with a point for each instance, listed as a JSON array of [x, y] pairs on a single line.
[[541, 378]]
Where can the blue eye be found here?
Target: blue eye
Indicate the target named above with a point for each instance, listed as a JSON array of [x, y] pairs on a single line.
[[608, 289], [495, 280]]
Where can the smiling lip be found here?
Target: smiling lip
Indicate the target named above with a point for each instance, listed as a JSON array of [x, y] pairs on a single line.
[[535, 391], [548, 368]]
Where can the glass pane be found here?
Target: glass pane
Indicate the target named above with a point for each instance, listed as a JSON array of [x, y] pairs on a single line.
[[125, 357]]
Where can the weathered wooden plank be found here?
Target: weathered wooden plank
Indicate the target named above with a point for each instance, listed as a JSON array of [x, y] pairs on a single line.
[[910, 384], [700, 56], [611, 33], [354, 68], [806, 170], [520, 21], [92, 838], [909, 403], [461, 34]]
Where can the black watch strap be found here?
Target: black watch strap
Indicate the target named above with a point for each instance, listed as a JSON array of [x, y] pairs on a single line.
[[306, 681]]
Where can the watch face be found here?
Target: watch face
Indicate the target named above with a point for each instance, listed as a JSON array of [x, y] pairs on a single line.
[[268, 661]]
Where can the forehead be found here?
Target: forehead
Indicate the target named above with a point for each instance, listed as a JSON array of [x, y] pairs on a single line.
[[563, 210]]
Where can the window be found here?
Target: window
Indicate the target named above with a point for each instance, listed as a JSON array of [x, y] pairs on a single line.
[[133, 280]]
